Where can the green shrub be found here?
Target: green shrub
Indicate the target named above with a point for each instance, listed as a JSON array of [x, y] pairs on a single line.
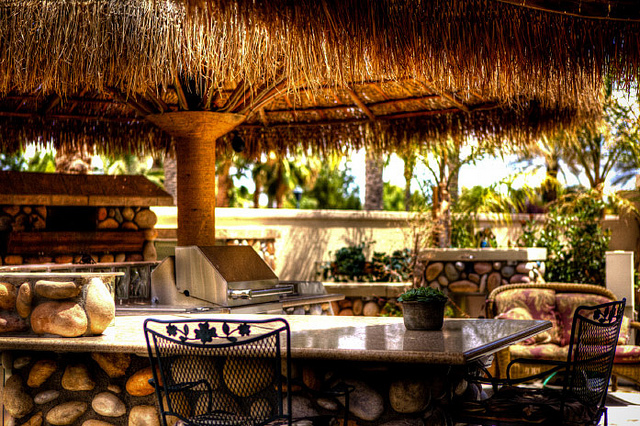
[[574, 238]]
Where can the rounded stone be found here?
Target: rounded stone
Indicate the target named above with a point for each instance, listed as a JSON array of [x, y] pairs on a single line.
[[57, 289], [145, 219], [150, 234], [493, 281], [77, 378], [101, 213], [482, 267], [497, 266], [7, 296], [65, 319], [40, 372], [463, 286], [108, 223], [143, 415], [114, 364], [364, 402], [328, 404], [371, 309], [117, 215], [21, 362], [114, 388], [525, 268], [519, 278], [433, 270], [451, 272], [99, 306], [96, 422], [12, 322], [138, 383], [108, 405], [508, 271], [482, 286], [35, 420], [120, 257], [128, 213], [474, 278], [15, 399], [66, 413], [258, 374], [459, 266], [23, 300], [46, 396], [409, 396], [443, 281], [129, 226], [107, 258], [302, 406], [149, 252]]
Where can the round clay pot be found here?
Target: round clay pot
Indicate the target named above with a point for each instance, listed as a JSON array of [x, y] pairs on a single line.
[[423, 315]]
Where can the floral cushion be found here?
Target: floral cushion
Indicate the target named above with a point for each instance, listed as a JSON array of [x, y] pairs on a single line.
[[567, 303], [627, 354], [540, 303], [543, 351]]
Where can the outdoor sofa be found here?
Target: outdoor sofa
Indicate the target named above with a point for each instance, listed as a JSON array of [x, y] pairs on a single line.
[[555, 302]]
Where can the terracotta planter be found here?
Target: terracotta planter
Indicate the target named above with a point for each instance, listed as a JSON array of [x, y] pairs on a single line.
[[423, 315]]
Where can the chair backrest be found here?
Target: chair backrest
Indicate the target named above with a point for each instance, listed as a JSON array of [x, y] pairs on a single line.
[[220, 371], [594, 337]]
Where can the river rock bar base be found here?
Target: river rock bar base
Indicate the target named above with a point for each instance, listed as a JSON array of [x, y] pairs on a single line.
[[412, 377]]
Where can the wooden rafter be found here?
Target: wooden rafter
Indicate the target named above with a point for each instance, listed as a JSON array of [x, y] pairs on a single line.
[[381, 104], [354, 96]]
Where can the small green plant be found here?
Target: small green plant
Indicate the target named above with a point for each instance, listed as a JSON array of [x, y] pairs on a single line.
[[350, 264], [423, 294]]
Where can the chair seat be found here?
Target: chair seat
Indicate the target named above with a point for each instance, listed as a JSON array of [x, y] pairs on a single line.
[[512, 405]]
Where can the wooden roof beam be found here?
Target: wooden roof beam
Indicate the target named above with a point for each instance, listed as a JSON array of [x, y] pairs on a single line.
[[361, 104]]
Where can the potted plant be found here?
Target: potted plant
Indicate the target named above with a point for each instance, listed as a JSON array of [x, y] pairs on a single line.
[[423, 308]]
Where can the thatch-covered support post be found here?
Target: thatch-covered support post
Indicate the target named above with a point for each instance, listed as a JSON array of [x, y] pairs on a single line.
[[196, 133]]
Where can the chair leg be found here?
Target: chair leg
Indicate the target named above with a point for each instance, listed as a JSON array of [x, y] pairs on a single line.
[[614, 383]]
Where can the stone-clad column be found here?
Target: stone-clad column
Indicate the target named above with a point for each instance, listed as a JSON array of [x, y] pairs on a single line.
[[196, 133]]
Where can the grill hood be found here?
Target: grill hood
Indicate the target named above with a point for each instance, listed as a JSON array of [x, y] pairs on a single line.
[[226, 275]]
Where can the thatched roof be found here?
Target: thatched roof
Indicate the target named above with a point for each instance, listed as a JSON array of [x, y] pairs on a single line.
[[313, 72]]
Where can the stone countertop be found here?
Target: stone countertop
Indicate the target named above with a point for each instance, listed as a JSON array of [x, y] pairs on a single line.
[[365, 339], [522, 254]]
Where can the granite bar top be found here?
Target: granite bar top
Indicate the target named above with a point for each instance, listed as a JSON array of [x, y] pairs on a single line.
[[366, 339]]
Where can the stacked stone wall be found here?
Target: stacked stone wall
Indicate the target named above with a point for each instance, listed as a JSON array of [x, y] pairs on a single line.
[[68, 307], [102, 389], [29, 218], [476, 277]]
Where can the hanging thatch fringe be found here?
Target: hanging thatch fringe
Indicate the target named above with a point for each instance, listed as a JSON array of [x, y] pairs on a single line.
[[470, 45]]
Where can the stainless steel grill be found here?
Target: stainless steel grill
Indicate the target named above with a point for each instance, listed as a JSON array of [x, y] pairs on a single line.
[[227, 276]]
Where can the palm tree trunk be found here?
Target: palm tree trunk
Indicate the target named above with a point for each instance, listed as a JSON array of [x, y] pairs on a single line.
[[374, 187]]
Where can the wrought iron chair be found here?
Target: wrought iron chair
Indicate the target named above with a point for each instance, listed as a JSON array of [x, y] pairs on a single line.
[[587, 371], [220, 372]]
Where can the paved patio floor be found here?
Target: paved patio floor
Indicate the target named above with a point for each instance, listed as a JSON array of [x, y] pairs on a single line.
[[624, 407]]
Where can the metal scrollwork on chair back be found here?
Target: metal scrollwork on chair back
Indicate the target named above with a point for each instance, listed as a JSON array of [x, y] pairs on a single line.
[[205, 333]]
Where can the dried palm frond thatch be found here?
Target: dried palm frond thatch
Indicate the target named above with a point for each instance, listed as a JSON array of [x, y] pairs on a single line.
[[298, 69]]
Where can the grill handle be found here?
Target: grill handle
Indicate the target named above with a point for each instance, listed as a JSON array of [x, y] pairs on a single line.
[[250, 294]]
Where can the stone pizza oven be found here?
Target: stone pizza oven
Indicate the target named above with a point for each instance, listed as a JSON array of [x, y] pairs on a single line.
[[64, 218]]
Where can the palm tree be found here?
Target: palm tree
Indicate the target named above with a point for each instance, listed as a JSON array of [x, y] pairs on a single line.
[[374, 187]]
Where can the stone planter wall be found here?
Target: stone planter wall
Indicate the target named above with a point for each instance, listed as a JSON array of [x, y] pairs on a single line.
[[31, 218], [102, 389], [476, 276], [368, 306], [67, 305]]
